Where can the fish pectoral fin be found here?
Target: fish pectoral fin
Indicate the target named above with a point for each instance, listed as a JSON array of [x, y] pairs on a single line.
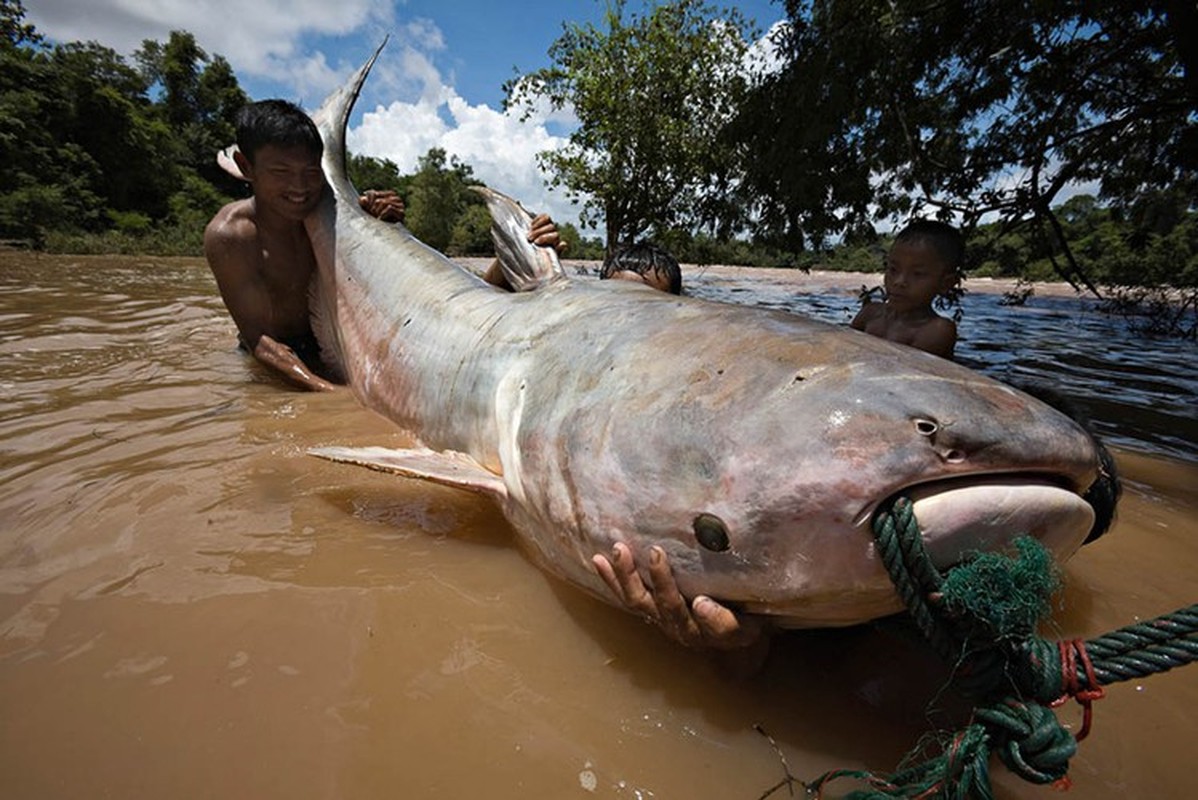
[[446, 467], [525, 266]]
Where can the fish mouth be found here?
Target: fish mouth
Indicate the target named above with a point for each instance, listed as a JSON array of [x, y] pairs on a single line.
[[965, 515]]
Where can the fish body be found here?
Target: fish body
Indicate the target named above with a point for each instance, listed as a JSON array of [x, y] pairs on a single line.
[[752, 445]]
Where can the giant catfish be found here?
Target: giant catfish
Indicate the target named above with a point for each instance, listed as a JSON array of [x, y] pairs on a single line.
[[752, 445]]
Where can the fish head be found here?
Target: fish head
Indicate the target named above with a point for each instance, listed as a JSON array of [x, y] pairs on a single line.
[[771, 509]]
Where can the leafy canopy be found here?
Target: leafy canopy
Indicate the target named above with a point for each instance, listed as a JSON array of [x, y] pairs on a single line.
[[648, 91], [885, 108]]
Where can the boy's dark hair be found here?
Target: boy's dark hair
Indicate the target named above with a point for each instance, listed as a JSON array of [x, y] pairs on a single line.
[[276, 122], [642, 258], [944, 239]]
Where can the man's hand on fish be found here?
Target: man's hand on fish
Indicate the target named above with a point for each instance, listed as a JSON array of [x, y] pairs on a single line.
[[384, 204], [702, 623], [543, 232]]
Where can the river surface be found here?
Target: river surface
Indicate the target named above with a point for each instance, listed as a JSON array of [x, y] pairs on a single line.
[[191, 607]]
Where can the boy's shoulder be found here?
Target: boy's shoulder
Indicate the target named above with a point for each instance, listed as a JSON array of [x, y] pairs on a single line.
[[235, 221], [870, 310], [231, 236], [938, 322], [936, 335]]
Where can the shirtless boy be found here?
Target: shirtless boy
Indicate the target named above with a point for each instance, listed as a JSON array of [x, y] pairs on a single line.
[[923, 263], [258, 248]]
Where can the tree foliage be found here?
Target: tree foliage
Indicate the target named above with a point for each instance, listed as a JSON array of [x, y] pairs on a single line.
[[438, 194], [199, 99], [368, 172], [648, 91], [84, 147], [976, 109]]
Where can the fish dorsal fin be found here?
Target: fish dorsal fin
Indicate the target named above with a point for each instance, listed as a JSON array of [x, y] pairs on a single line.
[[225, 160], [525, 265], [447, 467]]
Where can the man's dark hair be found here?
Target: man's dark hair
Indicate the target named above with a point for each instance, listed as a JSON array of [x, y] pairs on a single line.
[[642, 258], [276, 122], [944, 239]]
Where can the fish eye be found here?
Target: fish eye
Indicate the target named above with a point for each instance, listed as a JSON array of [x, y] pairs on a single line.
[[711, 532], [926, 427]]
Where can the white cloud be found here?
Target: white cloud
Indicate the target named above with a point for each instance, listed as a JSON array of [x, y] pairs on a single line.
[[499, 147], [255, 37], [762, 58], [273, 40]]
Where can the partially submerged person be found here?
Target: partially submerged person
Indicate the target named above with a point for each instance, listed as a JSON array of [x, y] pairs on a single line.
[[258, 248], [645, 262], [923, 263]]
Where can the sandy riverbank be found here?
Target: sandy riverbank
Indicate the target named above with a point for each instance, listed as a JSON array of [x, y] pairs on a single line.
[[826, 280]]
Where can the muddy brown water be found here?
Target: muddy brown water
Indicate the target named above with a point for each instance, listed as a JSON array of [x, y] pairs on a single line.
[[191, 607]]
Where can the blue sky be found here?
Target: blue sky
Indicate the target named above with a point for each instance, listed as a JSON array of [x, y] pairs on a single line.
[[438, 83]]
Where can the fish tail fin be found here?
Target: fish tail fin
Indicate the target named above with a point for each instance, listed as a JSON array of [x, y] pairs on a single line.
[[525, 265]]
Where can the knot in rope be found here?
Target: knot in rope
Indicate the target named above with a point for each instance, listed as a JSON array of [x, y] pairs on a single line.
[[978, 617], [1029, 740], [982, 620]]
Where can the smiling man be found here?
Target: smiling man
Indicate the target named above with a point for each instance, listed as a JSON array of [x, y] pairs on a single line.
[[258, 248]]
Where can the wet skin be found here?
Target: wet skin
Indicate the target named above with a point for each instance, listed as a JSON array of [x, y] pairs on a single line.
[[915, 275]]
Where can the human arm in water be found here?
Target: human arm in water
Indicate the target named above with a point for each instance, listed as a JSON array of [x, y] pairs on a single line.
[[282, 358], [740, 642], [542, 231]]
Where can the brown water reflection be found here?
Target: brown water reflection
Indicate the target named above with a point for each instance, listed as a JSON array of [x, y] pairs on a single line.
[[191, 607]]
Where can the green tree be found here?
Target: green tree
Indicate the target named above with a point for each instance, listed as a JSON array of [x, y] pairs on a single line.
[[219, 97], [888, 107], [14, 31], [104, 109], [368, 172], [648, 91], [46, 179], [471, 235], [438, 194], [199, 100]]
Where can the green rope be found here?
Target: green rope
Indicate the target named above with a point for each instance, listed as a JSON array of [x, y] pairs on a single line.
[[981, 618], [912, 573]]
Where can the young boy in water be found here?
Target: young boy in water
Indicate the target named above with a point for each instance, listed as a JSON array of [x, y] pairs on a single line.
[[644, 262], [923, 263], [258, 248]]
